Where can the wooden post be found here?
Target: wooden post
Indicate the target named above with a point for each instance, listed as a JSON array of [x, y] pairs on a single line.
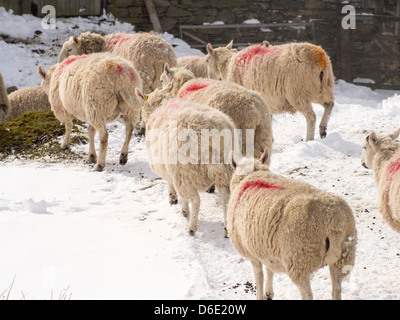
[[397, 24], [153, 16]]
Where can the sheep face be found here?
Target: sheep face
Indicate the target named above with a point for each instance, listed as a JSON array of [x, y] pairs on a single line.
[[72, 47], [167, 76], [217, 59], [369, 150], [151, 101], [46, 79]]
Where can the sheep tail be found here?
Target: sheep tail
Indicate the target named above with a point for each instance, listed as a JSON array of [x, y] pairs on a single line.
[[125, 96]]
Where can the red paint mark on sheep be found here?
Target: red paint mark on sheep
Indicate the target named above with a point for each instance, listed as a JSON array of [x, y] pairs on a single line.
[[128, 71], [258, 184], [394, 167], [319, 55], [67, 62], [117, 40], [192, 88], [247, 55]]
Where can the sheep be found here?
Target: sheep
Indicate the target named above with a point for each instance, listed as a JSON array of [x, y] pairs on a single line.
[[27, 99], [4, 103], [196, 64], [169, 121], [147, 51], [247, 109], [289, 76], [288, 226], [95, 88], [382, 155]]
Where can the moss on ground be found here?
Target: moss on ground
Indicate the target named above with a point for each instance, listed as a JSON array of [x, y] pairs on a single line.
[[35, 135]]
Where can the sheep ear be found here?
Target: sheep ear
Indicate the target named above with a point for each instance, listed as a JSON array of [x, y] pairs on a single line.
[[142, 97], [77, 41], [210, 49], [373, 140], [42, 73], [230, 45], [395, 134], [166, 68], [265, 156]]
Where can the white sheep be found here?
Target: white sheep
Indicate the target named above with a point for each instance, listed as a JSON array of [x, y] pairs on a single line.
[[27, 99], [247, 109], [188, 166], [196, 64], [290, 77], [4, 103], [288, 226], [147, 51], [382, 155], [98, 89]]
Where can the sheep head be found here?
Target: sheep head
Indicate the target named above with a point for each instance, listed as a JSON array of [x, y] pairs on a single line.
[[150, 102], [72, 47], [374, 144], [217, 59], [46, 80]]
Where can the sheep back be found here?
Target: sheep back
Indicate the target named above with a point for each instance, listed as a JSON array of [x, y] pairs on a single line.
[[288, 76], [90, 86], [147, 51], [196, 64], [247, 110]]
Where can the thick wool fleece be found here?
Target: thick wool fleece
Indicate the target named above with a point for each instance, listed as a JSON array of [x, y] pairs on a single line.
[[4, 103]]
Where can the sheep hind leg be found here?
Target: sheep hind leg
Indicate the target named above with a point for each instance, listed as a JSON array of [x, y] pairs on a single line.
[[194, 216], [92, 158], [328, 106], [305, 290], [101, 162], [310, 119], [173, 197], [259, 275], [67, 139], [336, 278], [123, 159]]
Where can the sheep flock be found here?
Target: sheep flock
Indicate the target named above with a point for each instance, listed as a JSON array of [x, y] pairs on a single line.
[[208, 124]]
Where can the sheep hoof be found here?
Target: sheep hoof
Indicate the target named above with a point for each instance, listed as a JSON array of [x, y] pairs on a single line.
[[191, 232], [123, 159], [211, 190], [322, 132], [91, 159], [226, 233], [98, 168], [269, 296], [142, 131], [64, 146], [184, 213], [173, 202]]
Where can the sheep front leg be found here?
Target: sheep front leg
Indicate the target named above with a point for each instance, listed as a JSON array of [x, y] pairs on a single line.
[[67, 139], [259, 275], [310, 119], [101, 162], [123, 159], [92, 158], [173, 197], [305, 290], [328, 106]]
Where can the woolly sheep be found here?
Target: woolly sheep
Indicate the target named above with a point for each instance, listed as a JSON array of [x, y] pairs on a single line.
[[165, 116], [290, 77], [28, 99], [382, 155], [96, 88], [147, 51], [288, 226], [247, 109], [196, 64], [4, 103]]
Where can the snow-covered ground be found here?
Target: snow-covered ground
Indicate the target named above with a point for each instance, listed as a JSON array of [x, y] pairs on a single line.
[[69, 232]]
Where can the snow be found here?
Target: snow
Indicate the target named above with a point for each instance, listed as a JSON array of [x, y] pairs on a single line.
[[66, 230]]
